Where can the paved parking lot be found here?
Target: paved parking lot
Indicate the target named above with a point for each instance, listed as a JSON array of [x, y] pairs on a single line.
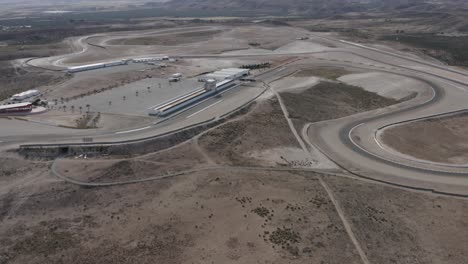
[[135, 98]]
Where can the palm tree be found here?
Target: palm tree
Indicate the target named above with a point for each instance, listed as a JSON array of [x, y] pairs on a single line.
[[110, 103], [81, 109], [88, 106], [148, 88], [124, 97], [136, 93], [73, 108]]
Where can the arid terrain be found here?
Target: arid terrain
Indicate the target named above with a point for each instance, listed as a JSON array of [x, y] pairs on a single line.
[[234, 132], [226, 214], [417, 139]]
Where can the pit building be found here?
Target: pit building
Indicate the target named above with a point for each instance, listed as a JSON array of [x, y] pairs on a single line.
[[224, 80]]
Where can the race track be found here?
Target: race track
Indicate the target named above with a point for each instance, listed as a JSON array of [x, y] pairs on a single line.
[[351, 141]]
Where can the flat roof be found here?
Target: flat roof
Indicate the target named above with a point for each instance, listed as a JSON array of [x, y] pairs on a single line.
[[85, 66], [234, 70], [151, 58], [221, 83], [217, 76], [35, 92], [8, 106], [222, 73]]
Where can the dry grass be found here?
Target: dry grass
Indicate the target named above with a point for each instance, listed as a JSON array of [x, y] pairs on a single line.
[[176, 221], [330, 100], [262, 129], [236, 215], [398, 226]]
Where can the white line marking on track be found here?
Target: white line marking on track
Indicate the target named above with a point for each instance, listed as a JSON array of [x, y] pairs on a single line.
[[456, 86], [392, 161], [133, 130], [204, 108], [396, 153], [378, 143]]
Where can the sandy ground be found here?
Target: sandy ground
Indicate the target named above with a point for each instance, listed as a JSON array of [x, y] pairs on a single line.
[[214, 217], [416, 139], [115, 169], [384, 84], [295, 84], [397, 226], [218, 216], [237, 142]]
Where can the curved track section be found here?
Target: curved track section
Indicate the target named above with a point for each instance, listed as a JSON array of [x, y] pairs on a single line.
[[349, 143], [382, 145]]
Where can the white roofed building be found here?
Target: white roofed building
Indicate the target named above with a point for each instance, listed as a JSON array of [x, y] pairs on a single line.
[[25, 95], [226, 74]]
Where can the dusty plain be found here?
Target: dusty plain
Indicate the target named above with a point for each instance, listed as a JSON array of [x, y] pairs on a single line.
[[245, 191], [237, 212], [416, 139]]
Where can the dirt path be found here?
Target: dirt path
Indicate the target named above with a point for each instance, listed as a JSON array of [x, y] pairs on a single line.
[[338, 209], [202, 151], [290, 123], [345, 222]]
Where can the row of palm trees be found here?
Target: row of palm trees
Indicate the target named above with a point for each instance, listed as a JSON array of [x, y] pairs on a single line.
[[63, 100], [72, 108]]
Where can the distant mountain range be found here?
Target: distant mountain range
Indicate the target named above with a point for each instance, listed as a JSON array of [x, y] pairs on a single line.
[[317, 7]]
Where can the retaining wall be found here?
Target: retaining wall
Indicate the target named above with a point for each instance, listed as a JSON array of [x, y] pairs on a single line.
[[131, 147]]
